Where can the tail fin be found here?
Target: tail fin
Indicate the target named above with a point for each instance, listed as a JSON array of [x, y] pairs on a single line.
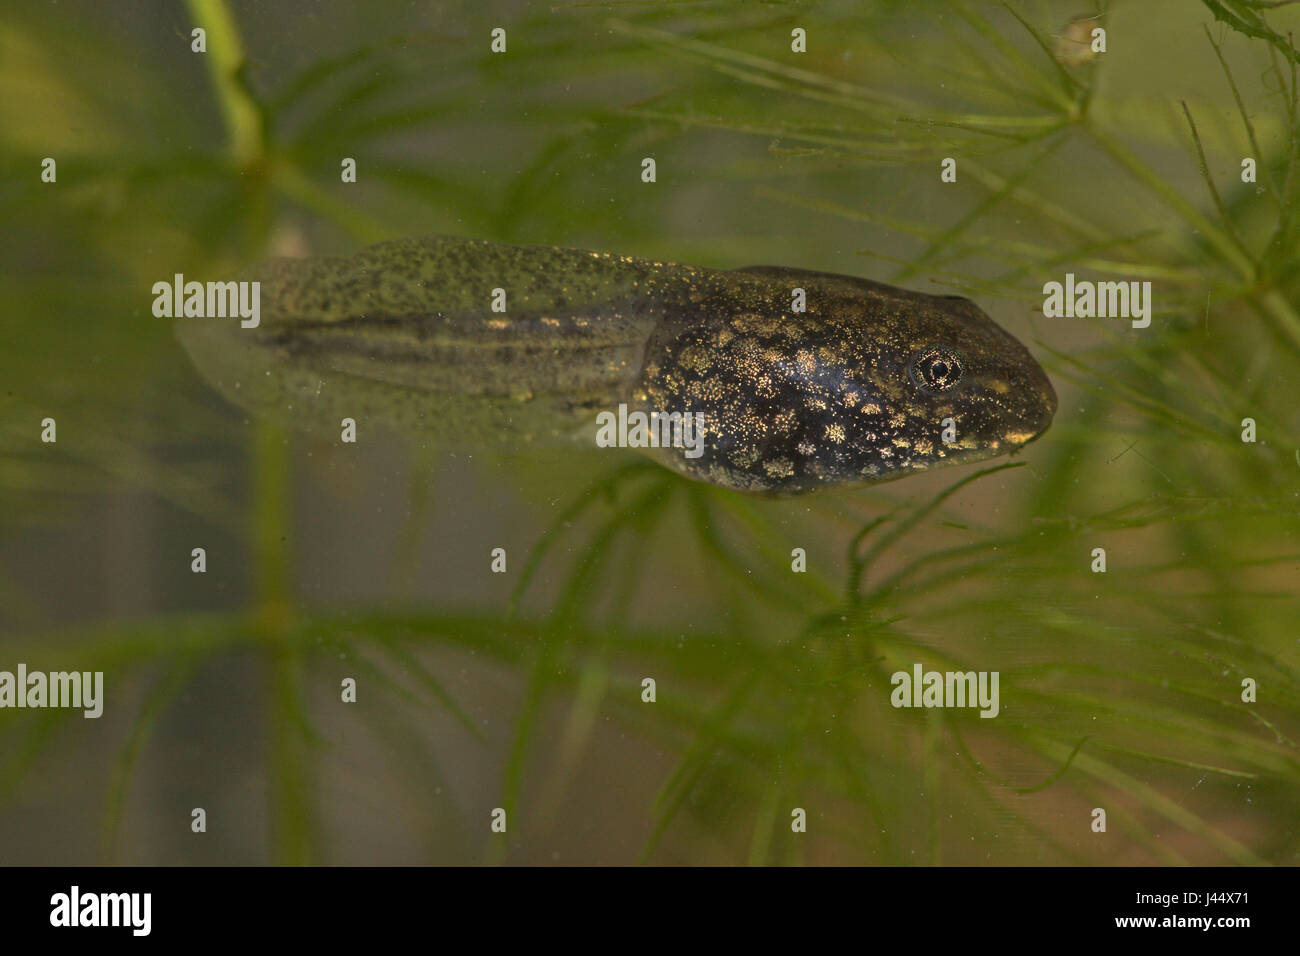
[[405, 330]]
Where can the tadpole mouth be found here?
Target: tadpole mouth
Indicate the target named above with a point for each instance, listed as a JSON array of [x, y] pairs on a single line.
[[1031, 411], [1039, 414]]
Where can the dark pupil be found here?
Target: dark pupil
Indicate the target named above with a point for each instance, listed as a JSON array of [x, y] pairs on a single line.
[[938, 369]]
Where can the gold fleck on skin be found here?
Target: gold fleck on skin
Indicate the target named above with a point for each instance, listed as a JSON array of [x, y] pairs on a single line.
[[697, 359], [785, 420], [853, 391]]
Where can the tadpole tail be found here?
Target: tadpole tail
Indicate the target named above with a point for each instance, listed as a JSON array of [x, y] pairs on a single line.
[[427, 334]]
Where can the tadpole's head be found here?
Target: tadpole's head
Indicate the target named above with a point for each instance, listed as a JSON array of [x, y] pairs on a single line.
[[869, 384]]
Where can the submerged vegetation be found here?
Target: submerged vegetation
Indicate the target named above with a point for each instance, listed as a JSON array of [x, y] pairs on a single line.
[[1120, 690]]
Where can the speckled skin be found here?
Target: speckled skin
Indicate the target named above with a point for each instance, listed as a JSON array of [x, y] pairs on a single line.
[[854, 390], [846, 392]]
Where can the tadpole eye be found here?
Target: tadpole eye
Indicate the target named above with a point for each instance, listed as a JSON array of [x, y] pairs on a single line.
[[936, 369]]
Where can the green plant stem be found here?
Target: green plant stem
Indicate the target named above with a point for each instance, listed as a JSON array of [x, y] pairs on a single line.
[[290, 767], [290, 774], [225, 59], [270, 508], [299, 187], [1174, 199], [1274, 304], [291, 809]]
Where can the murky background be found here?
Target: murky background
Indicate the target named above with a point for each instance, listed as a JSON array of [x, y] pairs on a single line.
[[523, 691]]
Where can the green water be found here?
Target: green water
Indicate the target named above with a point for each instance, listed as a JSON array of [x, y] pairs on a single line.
[[774, 630]]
